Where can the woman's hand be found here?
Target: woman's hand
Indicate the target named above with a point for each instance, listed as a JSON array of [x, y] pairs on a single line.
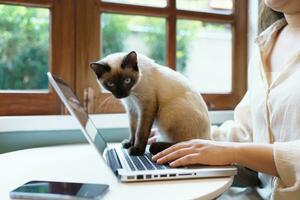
[[197, 152], [258, 157]]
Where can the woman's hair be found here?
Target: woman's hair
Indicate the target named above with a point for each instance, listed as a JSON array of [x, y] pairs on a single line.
[[267, 16]]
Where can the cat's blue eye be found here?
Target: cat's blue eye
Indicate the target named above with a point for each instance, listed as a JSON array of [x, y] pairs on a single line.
[[110, 84], [127, 80]]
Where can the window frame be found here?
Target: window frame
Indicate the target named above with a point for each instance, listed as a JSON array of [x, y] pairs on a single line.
[[75, 42], [238, 21], [61, 60]]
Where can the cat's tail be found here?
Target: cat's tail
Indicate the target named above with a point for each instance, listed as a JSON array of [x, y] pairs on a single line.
[[157, 147]]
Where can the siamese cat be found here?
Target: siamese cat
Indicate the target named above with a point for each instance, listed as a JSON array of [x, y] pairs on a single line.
[[153, 94]]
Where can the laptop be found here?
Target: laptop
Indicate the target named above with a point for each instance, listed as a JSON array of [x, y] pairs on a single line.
[[126, 167]]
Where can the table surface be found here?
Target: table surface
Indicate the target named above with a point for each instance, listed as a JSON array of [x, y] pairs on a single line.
[[81, 163]]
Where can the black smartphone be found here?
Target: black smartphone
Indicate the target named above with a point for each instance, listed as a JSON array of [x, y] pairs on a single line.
[[59, 190]]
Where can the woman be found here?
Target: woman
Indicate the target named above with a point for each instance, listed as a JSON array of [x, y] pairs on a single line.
[[265, 133]]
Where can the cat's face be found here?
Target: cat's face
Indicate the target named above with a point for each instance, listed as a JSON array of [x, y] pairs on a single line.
[[117, 73]]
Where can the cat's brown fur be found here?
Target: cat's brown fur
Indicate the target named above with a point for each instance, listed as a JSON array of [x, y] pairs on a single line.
[[155, 95]]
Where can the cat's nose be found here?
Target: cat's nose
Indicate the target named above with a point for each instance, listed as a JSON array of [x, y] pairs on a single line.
[[120, 96]]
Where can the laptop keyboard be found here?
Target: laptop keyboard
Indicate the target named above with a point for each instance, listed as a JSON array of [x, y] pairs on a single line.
[[135, 163], [142, 162]]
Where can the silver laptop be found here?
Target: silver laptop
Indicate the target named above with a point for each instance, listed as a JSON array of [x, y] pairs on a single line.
[[128, 168]]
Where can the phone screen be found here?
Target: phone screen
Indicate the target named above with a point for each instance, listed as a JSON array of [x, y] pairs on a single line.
[[56, 190]]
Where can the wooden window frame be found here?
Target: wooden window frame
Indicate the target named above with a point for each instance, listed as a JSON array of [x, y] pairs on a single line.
[[75, 42], [61, 61], [237, 19]]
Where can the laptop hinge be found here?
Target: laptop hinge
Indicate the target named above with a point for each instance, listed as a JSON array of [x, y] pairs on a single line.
[[113, 160]]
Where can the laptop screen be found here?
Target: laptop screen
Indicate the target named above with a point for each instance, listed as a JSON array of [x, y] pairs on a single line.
[[72, 103]]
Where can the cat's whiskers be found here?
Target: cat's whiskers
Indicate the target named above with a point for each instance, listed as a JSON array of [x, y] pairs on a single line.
[[105, 101], [136, 94]]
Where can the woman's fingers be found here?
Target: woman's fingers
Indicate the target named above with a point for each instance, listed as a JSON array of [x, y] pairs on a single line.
[[175, 155], [189, 159]]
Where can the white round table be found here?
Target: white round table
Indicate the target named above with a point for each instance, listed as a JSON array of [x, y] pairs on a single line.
[[81, 163]]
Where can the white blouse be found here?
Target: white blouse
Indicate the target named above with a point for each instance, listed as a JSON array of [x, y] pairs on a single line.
[[270, 113]]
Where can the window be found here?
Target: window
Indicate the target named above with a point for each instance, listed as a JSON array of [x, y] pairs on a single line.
[[205, 40], [144, 34], [32, 42], [204, 55], [153, 3], [202, 39], [24, 49], [224, 6]]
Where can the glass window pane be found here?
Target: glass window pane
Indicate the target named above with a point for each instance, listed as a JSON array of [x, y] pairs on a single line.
[[154, 3], [204, 5], [24, 48], [204, 55], [125, 33]]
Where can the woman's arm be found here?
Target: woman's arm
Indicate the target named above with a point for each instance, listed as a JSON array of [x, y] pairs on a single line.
[[258, 157]]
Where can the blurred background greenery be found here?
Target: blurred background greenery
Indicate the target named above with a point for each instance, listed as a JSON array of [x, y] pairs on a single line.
[[25, 38], [146, 35], [24, 47]]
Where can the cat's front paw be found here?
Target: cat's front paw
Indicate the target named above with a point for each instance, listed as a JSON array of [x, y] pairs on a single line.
[[136, 151], [126, 143]]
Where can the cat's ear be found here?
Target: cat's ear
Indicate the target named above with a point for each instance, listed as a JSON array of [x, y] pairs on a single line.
[[130, 61], [100, 68]]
